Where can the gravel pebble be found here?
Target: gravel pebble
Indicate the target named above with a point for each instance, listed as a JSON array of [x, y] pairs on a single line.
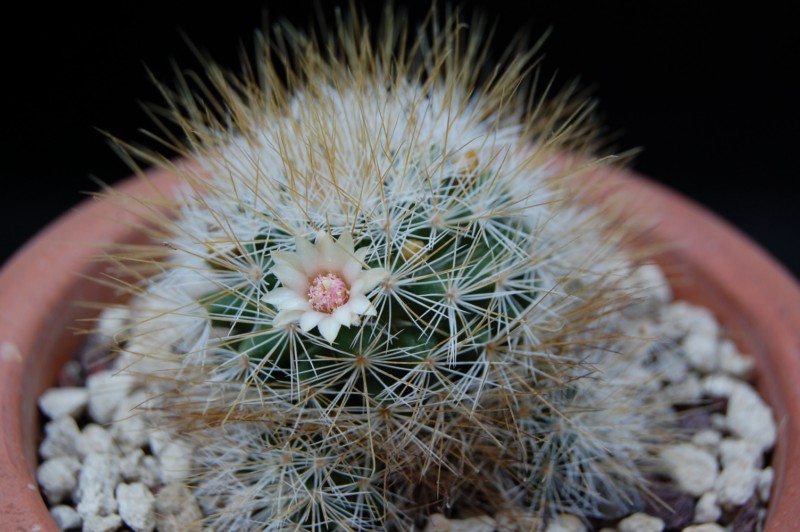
[[62, 438], [96, 440], [701, 350], [136, 506], [66, 517], [734, 449], [640, 522], [707, 510], [708, 439], [736, 483], [58, 477], [96, 485], [764, 486], [511, 521], [66, 401], [694, 469], [733, 362], [565, 523], [177, 509], [439, 523], [101, 523], [175, 461], [750, 418], [107, 389], [130, 429], [705, 527]]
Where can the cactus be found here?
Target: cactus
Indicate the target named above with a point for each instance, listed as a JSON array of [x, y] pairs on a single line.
[[381, 295]]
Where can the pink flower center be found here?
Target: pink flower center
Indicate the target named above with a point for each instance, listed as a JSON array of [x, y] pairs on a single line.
[[328, 292]]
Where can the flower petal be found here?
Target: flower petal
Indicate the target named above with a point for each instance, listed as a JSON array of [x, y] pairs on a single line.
[[328, 257], [310, 319], [360, 253], [292, 278], [359, 304], [307, 256], [329, 328], [285, 317], [290, 259], [342, 252], [283, 298], [368, 280], [343, 315], [345, 242]]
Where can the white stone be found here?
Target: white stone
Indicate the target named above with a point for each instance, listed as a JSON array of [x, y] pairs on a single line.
[[707, 510], [65, 517], [694, 469], [709, 439], [639, 376], [734, 449], [102, 523], [654, 282], [764, 486], [733, 362], [149, 473], [157, 439], [107, 390], [750, 418], [673, 369], [58, 477], [650, 288], [718, 385], [177, 509], [175, 460], [65, 401], [719, 422], [701, 320], [701, 351], [641, 522], [736, 483], [688, 391], [96, 483], [565, 523], [705, 527], [136, 506], [680, 318], [130, 465], [440, 523], [511, 521], [62, 438], [130, 428], [96, 440], [113, 321]]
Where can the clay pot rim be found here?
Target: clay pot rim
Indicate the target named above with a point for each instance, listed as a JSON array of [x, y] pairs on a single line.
[[45, 274]]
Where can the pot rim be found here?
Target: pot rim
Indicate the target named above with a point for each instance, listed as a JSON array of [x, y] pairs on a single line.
[[709, 262]]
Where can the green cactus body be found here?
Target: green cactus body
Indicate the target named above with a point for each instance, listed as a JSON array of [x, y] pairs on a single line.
[[388, 302]]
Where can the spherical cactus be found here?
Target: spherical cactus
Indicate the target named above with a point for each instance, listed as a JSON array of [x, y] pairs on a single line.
[[381, 296]]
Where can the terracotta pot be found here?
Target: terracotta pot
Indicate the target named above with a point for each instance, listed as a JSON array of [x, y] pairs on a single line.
[[709, 263]]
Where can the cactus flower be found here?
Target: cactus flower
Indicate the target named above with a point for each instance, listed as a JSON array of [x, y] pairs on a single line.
[[324, 285]]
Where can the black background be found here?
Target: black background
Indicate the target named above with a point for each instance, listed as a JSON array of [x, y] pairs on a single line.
[[704, 89]]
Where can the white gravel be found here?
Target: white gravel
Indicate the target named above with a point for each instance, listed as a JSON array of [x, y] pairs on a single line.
[[117, 471], [694, 469], [640, 522], [66, 401]]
